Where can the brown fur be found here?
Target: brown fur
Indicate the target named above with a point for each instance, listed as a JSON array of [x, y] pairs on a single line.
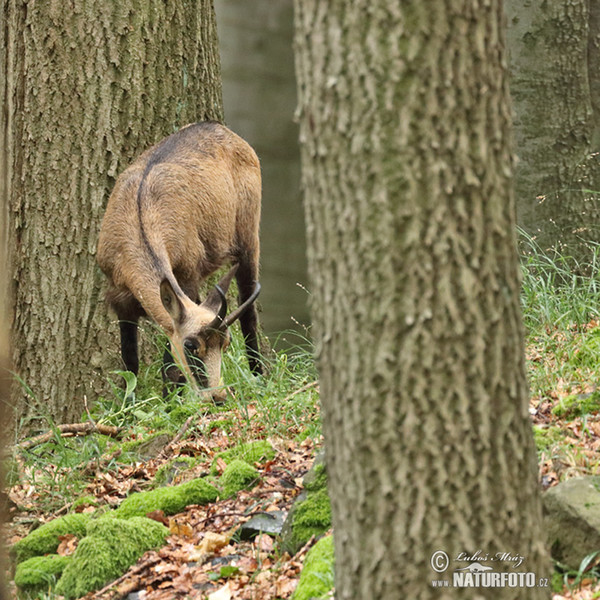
[[183, 209]]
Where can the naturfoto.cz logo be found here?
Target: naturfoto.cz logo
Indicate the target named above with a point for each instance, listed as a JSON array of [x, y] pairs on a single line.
[[478, 575]]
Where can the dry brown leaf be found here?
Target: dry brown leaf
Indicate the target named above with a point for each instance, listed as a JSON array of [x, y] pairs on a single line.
[[180, 527], [68, 544], [223, 593], [212, 542], [264, 542]]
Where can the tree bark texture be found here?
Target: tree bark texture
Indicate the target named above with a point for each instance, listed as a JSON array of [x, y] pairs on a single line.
[[554, 51], [87, 86], [407, 173]]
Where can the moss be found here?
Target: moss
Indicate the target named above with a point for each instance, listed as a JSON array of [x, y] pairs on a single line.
[[316, 578], [316, 479], [84, 501], [109, 549], [546, 437], [44, 540], [170, 500], [237, 476], [173, 468], [40, 573], [250, 452], [577, 405], [311, 517]]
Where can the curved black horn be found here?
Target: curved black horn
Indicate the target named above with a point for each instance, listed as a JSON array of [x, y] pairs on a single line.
[[239, 311], [219, 321]]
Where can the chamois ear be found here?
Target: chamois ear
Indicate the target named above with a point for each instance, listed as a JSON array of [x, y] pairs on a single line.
[[214, 300], [171, 302]]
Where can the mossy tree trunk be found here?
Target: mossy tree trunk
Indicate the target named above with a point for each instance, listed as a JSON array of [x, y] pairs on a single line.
[[407, 174], [86, 87], [555, 84]]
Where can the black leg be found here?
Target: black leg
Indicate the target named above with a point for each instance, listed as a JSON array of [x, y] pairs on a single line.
[[246, 279], [129, 345]]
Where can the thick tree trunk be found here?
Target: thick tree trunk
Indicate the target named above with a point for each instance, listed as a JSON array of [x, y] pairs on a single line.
[[555, 83], [88, 86], [407, 173]]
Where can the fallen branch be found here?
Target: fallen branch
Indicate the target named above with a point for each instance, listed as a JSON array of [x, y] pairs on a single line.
[[70, 429]]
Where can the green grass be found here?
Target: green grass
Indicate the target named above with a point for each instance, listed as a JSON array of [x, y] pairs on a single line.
[[258, 407]]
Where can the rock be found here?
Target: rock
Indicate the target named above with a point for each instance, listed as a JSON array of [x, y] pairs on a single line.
[[573, 519], [266, 522]]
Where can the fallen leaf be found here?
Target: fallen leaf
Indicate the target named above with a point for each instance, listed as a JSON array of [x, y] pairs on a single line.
[[211, 542], [223, 593], [158, 515], [68, 544], [179, 527], [264, 542]]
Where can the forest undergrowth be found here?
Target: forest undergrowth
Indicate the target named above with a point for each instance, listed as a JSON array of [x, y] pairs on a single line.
[[151, 442]]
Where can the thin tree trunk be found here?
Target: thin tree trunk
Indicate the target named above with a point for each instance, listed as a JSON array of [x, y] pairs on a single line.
[[407, 173], [88, 87], [555, 82]]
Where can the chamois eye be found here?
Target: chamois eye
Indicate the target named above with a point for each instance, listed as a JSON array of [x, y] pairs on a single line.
[[190, 345]]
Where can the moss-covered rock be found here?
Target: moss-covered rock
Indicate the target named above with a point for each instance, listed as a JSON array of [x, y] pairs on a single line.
[[311, 517], [317, 577], [110, 548], [40, 573], [311, 513], [170, 500], [250, 452], [44, 540], [238, 475]]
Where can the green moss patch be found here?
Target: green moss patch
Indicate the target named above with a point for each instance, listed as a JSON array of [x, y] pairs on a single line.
[[40, 573], [311, 517], [546, 437], [170, 500], [317, 577], [238, 475], [174, 468], [577, 405], [44, 540], [109, 549], [250, 452]]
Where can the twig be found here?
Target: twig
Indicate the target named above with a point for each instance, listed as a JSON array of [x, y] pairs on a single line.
[[167, 449], [65, 430], [302, 389], [133, 573]]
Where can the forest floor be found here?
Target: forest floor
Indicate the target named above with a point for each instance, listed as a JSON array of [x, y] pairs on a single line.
[[202, 559]]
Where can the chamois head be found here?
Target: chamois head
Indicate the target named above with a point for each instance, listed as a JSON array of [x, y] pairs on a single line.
[[200, 333]]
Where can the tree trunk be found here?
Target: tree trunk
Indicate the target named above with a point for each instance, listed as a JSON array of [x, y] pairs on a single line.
[[555, 83], [407, 173], [87, 88]]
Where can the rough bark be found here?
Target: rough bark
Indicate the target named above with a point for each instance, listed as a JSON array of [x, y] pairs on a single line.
[[87, 87], [407, 174], [555, 84]]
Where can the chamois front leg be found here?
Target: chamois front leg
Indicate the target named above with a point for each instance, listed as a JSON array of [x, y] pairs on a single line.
[[129, 345]]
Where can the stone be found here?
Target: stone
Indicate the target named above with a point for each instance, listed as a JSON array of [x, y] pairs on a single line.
[[572, 510]]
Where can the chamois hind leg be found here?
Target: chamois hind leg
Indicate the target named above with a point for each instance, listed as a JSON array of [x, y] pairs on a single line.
[[246, 277]]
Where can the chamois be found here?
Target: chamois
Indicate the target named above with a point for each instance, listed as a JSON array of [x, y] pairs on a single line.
[[186, 207]]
